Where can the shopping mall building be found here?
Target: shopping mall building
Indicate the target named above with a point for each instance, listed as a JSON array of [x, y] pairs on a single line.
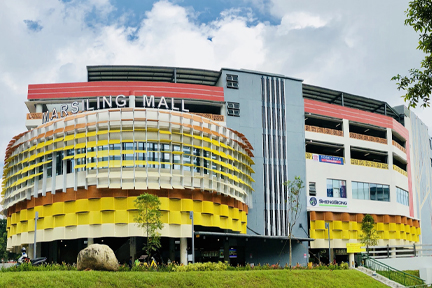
[[220, 144]]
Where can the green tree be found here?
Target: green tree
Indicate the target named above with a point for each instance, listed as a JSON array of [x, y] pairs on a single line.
[[149, 218], [418, 85], [369, 236], [3, 240], [294, 207]]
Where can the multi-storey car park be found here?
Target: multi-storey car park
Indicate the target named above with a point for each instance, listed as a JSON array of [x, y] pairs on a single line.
[[220, 144]]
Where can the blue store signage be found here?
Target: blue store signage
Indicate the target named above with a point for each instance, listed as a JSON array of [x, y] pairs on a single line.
[[328, 159]]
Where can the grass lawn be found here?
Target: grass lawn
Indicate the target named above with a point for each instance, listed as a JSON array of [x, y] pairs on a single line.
[[266, 278], [400, 279], [413, 272]]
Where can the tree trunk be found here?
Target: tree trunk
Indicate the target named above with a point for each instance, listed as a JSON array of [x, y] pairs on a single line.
[[290, 256], [147, 248]]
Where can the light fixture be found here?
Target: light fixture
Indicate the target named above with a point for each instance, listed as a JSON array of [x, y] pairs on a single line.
[[366, 154], [366, 130], [338, 125], [338, 149]]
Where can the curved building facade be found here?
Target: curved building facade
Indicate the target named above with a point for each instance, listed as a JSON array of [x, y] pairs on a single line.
[[220, 144], [82, 173]]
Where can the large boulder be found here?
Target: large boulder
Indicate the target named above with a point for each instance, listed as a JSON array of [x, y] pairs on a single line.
[[97, 257]]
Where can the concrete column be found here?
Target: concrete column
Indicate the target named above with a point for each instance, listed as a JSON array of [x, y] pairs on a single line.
[[351, 260], [389, 137], [393, 253], [30, 251], [38, 108], [223, 112], [347, 147], [132, 101], [183, 251], [132, 247], [90, 241]]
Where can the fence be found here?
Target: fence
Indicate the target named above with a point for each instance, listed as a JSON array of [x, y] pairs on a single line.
[[393, 274], [414, 250]]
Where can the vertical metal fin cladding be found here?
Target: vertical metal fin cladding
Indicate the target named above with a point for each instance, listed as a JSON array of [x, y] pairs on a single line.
[[274, 153]]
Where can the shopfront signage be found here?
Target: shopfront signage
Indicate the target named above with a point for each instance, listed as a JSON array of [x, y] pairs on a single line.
[[354, 248], [328, 159], [105, 102], [314, 201]]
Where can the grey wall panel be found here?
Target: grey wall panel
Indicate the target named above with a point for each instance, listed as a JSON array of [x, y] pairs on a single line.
[[421, 177], [285, 159]]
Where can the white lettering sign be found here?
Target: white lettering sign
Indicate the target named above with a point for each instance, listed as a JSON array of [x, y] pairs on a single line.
[[105, 102]]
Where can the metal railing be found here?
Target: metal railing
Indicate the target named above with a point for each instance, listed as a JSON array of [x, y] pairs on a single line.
[[368, 138], [369, 163], [323, 130], [413, 250], [398, 146], [393, 274], [401, 171]]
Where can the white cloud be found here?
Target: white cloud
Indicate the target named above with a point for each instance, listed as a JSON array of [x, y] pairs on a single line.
[[301, 20], [334, 44]]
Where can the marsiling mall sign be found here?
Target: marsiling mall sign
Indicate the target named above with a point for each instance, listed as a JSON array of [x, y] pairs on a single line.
[[107, 102]]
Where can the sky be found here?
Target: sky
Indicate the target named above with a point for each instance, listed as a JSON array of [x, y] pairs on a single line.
[[351, 46]]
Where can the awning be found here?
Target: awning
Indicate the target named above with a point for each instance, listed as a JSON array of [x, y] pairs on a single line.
[[220, 234]]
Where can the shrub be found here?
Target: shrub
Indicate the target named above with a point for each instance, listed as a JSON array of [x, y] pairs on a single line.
[[175, 267], [344, 266]]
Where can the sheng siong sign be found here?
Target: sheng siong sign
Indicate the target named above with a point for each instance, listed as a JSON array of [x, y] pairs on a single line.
[[108, 102], [314, 201]]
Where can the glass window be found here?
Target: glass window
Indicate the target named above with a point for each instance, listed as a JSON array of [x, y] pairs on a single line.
[[366, 191], [329, 188], [128, 146], [176, 147], [187, 150], [59, 163], [355, 191], [386, 191], [140, 156], [114, 147], [312, 187], [140, 146], [402, 196], [186, 158], [373, 191], [176, 158], [115, 157], [380, 192], [343, 189], [336, 188]]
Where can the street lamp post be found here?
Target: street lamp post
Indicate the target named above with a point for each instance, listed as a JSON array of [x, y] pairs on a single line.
[[327, 226], [193, 237], [34, 244]]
